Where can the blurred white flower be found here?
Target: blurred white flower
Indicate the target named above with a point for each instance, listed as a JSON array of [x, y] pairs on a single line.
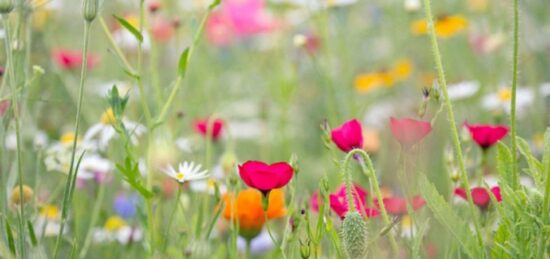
[[463, 90], [185, 144], [105, 132], [412, 5], [11, 141], [47, 223], [116, 229], [40, 140], [187, 171], [379, 114], [545, 89], [245, 129], [500, 101], [259, 245], [126, 40], [209, 185]]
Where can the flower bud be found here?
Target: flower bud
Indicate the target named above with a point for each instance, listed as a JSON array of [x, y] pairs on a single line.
[[354, 235], [16, 195], [305, 249], [6, 6], [89, 9]]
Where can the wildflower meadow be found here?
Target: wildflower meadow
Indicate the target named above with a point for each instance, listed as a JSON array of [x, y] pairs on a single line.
[[275, 129]]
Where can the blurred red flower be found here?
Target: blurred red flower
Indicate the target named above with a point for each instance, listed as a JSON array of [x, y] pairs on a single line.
[[264, 177], [486, 135], [339, 201], [409, 131], [398, 205], [72, 59], [480, 195], [214, 130]]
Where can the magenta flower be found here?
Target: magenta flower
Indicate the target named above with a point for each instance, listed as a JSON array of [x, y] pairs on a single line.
[[339, 202], [214, 129], [409, 131], [486, 135], [72, 59], [348, 136], [264, 177], [480, 196], [398, 205]]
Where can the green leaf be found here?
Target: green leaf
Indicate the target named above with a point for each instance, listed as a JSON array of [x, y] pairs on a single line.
[[214, 4], [546, 154], [505, 163], [32, 234], [445, 215], [129, 27], [182, 64], [131, 175], [535, 166], [11, 241]]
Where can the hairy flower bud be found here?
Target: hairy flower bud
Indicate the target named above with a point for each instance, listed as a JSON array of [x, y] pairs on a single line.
[[89, 9], [6, 6], [16, 195], [354, 235]]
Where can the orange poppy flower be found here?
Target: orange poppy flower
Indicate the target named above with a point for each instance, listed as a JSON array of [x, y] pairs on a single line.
[[445, 26], [249, 211]]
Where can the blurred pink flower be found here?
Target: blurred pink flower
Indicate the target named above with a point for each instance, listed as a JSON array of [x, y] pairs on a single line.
[[4, 105], [238, 19], [339, 202], [72, 59], [162, 29]]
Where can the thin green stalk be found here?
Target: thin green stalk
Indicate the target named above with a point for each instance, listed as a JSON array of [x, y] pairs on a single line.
[[93, 220], [368, 170], [15, 105], [171, 218], [72, 174], [118, 51], [513, 128], [452, 122]]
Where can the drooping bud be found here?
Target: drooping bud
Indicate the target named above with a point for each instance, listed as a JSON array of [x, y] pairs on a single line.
[[16, 195], [354, 235], [6, 6], [305, 249], [89, 9]]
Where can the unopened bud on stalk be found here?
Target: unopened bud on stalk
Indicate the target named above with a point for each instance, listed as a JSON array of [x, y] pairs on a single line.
[[89, 9], [354, 235], [305, 249], [6, 6], [16, 195]]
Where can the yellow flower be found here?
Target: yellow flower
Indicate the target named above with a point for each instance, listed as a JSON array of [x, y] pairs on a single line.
[[16, 195], [114, 223], [108, 117], [402, 69], [50, 212], [505, 94], [365, 83], [67, 138], [445, 26]]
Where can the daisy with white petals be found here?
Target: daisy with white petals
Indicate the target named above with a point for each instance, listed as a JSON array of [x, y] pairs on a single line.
[[104, 131], [187, 171]]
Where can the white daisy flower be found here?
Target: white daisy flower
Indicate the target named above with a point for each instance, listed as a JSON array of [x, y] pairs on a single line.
[[407, 227], [209, 185], [105, 132], [128, 41], [40, 140], [47, 223], [185, 144], [412, 5], [500, 101], [187, 171], [116, 229], [463, 90]]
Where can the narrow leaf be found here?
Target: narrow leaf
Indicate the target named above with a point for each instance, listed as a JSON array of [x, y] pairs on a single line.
[[214, 4], [11, 241], [504, 163], [32, 234], [130, 28], [182, 64]]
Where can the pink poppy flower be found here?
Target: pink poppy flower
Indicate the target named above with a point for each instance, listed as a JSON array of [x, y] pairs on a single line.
[[486, 135], [238, 18], [72, 59], [348, 136], [214, 129], [339, 202], [315, 201], [408, 131], [398, 205], [162, 30], [153, 6], [264, 177], [480, 196]]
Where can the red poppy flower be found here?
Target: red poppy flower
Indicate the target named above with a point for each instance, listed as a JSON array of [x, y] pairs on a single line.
[[162, 29], [486, 135], [339, 202], [480, 196], [215, 128], [398, 205], [264, 177], [315, 201], [408, 131], [348, 136], [72, 59]]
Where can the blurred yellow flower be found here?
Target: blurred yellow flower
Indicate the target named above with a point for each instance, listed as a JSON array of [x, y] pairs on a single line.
[[50, 212], [114, 223], [445, 26], [108, 117], [505, 94], [367, 82]]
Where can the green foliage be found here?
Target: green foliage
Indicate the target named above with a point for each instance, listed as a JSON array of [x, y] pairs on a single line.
[[129, 27]]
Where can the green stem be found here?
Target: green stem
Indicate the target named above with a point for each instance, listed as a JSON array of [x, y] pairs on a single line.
[[545, 208], [15, 107], [172, 214], [93, 220], [451, 119], [118, 51], [368, 170], [72, 174], [513, 130]]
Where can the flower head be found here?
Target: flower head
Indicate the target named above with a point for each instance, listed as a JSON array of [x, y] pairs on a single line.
[[187, 171], [408, 131], [210, 128], [72, 59], [264, 177], [398, 205], [486, 135], [446, 26], [348, 136], [247, 209], [339, 202], [480, 195]]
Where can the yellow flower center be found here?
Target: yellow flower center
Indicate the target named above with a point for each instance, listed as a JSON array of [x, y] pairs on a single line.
[[211, 183], [406, 222], [108, 117], [50, 212], [67, 138], [114, 223], [505, 94], [179, 176]]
